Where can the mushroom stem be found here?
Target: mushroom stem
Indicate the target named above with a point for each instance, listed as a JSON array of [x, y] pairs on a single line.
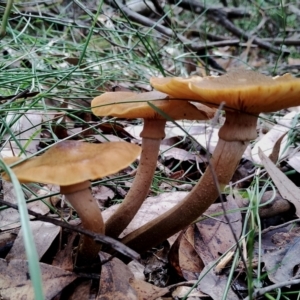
[[91, 219], [152, 134], [224, 161]]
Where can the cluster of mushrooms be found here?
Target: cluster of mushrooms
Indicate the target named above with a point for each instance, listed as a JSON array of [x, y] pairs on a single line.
[[244, 94]]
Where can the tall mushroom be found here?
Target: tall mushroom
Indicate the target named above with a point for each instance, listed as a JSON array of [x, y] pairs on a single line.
[[133, 105], [245, 94], [71, 165]]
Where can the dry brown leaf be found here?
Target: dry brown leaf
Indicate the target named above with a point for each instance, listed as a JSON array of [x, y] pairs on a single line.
[[82, 291], [115, 281], [63, 258], [9, 218], [203, 242], [25, 129], [294, 161], [280, 253], [43, 234], [214, 235], [151, 208], [269, 140], [15, 283], [183, 256], [182, 291], [215, 285], [102, 193], [176, 153], [147, 291], [285, 186]]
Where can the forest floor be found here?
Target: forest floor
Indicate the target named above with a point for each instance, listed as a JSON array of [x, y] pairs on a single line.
[[58, 55]]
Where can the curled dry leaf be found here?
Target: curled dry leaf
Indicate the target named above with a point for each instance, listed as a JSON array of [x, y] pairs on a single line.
[[203, 242], [183, 256], [269, 140]]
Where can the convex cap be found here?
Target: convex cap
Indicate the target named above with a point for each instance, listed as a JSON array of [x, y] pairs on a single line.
[[133, 105], [242, 90], [72, 162]]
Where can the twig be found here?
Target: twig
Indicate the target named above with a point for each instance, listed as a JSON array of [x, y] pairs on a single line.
[[136, 17], [221, 17], [116, 245], [260, 292]]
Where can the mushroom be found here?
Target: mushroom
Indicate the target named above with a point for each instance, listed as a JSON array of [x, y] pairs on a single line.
[[71, 165], [133, 105], [245, 94]]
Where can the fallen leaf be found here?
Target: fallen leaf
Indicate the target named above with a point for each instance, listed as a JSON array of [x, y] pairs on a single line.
[[281, 253], [285, 186], [147, 291], [15, 283], [82, 291], [43, 234], [268, 141], [183, 256], [215, 285], [102, 193], [150, 209], [214, 236], [176, 153], [294, 161], [115, 280], [203, 242], [183, 291]]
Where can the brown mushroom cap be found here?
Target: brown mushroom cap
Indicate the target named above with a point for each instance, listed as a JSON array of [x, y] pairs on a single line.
[[72, 162], [134, 105], [176, 86], [243, 90]]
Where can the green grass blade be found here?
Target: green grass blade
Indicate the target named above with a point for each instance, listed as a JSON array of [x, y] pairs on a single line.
[[30, 249]]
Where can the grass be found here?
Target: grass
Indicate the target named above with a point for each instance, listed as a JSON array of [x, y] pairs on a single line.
[[69, 60]]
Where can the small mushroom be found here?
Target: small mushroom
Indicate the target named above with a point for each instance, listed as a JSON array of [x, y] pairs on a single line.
[[71, 165], [245, 94], [133, 105]]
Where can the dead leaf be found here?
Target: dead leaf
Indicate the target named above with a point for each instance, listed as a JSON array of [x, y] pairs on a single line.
[[269, 140], [102, 193], [82, 291], [147, 291], [281, 253], [9, 218], [285, 186], [64, 258], [150, 209], [215, 285], [115, 280], [15, 283], [183, 256], [43, 234], [294, 161], [25, 129], [176, 153], [214, 235], [182, 291]]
